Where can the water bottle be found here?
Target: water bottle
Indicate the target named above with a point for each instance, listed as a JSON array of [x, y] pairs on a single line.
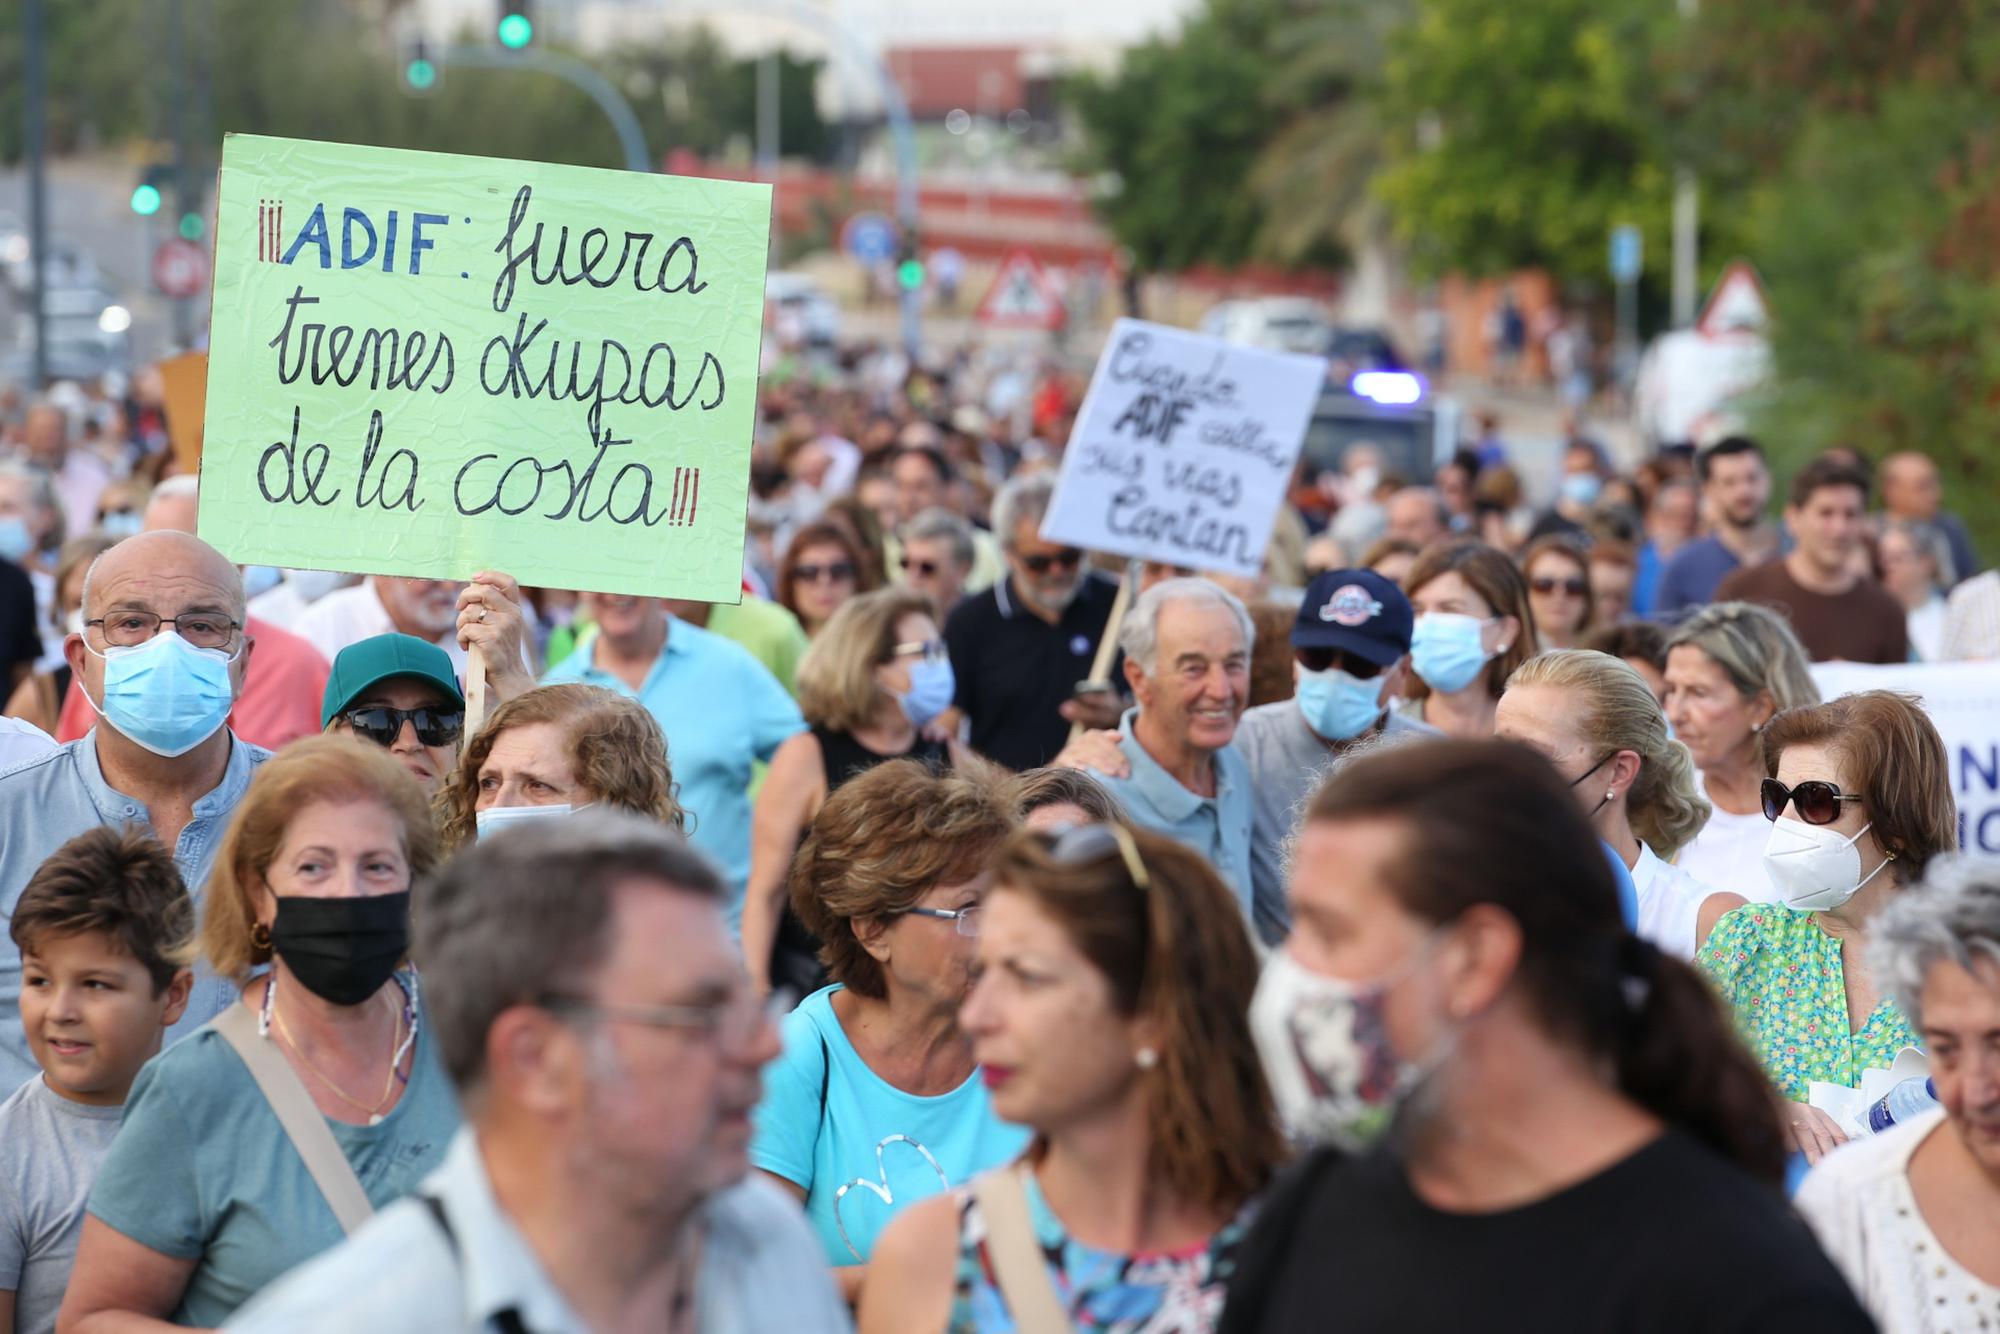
[[1907, 1100]]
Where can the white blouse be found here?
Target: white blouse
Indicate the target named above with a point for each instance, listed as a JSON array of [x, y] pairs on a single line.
[[1859, 1202], [1669, 901], [1729, 854]]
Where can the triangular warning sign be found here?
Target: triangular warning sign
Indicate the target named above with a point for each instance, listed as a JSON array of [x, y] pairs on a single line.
[[1022, 296], [1737, 307]]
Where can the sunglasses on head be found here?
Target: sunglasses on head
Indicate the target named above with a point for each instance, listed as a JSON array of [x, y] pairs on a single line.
[[1334, 659], [1816, 802], [1090, 842], [1546, 584], [926, 568], [1069, 558], [382, 725], [834, 572]]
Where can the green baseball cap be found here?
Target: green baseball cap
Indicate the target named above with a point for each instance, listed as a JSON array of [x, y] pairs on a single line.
[[365, 662]]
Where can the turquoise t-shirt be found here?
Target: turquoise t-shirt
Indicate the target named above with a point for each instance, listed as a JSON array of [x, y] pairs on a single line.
[[201, 1170], [827, 1121]]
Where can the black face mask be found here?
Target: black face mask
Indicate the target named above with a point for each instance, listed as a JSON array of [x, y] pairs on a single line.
[[343, 949]]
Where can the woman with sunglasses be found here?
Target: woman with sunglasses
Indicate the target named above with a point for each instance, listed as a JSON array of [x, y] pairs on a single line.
[[1859, 797], [1533, 1119], [1110, 1016], [1559, 590], [823, 567], [1474, 626], [877, 1102], [400, 693], [554, 750], [874, 679], [205, 1196], [1730, 668], [1596, 720]]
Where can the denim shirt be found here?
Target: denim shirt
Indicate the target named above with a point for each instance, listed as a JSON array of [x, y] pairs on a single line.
[[1217, 827], [50, 799], [760, 1269]]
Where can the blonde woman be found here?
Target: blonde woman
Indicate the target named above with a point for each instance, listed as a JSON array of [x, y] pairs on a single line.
[[1731, 668], [875, 676], [1597, 721]]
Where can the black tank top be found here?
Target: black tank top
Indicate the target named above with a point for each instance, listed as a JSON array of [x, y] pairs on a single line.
[[795, 953]]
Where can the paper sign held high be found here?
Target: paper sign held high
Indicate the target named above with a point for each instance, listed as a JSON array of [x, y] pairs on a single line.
[[424, 364]]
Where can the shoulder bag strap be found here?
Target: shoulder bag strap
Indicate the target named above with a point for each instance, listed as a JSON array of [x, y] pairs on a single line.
[[303, 1124], [1017, 1256]]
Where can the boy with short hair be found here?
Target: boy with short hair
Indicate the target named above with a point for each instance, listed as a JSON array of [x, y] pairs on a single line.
[[100, 926]]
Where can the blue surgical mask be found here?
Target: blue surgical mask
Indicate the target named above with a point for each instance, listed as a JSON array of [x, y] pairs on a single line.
[[1448, 650], [165, 694], [1582, 488], [15, 539], [1337, 706], [260, 579], [123, 524], [932, 686], [493, 819]]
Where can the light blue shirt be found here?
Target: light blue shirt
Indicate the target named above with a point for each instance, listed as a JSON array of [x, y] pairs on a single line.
[[1217, 827], [722, 711], [861, 1148], [50, 799], [400, 1274]]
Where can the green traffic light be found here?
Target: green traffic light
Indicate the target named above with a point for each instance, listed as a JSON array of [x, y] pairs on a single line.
[[146, 200], [910, 273], [516, 31], [421, 74], [191, 226]]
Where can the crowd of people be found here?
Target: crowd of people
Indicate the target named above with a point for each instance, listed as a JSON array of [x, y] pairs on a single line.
[[945, 938]]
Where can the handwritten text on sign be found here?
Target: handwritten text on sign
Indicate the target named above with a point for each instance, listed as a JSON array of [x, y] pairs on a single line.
[[1182, 449], [424, 364]]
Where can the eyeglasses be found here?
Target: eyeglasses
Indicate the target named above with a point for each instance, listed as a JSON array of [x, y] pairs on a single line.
[[1090, 842], [839, 571], [927, 568], [1069, 558], [1332, 659], [930, 650], [965, 920], [1817, 802], [203, 629], [734, 1022], [382, 725], [1545, 585]]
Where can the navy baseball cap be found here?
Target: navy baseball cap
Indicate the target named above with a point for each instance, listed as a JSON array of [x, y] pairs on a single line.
[[1357, 611]]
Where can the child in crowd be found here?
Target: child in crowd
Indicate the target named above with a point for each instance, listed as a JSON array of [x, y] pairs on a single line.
[[100, 927]]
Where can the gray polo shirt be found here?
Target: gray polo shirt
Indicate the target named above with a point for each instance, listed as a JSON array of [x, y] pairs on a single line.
[[761, 1268], [1286, 759], [50, 799]]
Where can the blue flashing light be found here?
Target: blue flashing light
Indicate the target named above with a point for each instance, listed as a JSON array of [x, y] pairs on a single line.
[[1389, 388]]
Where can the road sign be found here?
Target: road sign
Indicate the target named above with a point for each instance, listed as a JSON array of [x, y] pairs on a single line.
[[1737, 307], [871, 238], [1628, 253], [180, 268], [1023, 296]]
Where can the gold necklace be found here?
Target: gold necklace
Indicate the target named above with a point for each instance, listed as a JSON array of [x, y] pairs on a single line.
[[374, 1113]]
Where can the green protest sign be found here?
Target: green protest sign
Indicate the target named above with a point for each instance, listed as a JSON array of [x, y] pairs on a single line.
[[425, 364]]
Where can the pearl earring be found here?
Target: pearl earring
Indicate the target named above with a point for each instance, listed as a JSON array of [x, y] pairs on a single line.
[[1611, 795], [1147, 1058]]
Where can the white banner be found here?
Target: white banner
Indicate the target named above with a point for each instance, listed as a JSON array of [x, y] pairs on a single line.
[[1182, 449], [1963, 700]]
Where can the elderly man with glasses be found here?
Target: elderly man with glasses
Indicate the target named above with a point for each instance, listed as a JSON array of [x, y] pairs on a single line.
[[161, 659]]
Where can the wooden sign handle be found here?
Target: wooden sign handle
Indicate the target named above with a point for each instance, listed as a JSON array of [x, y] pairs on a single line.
[[475, 690], [1107, 643]]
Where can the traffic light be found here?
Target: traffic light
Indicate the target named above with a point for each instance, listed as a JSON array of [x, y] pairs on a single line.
[[146, 199], [191, 226], [909, 266], [420, 68], [516, 27]]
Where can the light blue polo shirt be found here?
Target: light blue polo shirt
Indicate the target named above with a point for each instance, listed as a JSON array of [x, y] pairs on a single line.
[[722, 711], [47, 801], [1217, 827]]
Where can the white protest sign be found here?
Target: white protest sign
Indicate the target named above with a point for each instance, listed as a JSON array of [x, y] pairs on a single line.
[[1963, 704], [1182, 449]]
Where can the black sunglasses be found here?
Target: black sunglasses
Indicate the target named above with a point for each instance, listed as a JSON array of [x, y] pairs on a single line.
[[1329, 659], [382, 725], [1069, 558], [1546, 585], [837, 572], [1817, 802]]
